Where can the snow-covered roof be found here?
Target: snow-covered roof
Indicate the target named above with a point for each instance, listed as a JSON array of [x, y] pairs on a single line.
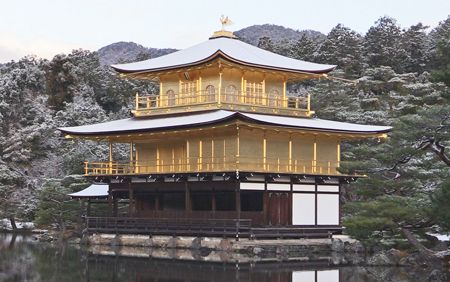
[[93, 191], [232, 49], [131, 125]]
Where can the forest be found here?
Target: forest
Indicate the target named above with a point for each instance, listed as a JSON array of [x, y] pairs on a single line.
[[388, 76]]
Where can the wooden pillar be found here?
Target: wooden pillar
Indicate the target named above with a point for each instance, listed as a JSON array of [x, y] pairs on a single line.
[[291, 196], [238, 198], [110, 158], [290, 153], [238, 203], [188, 167], [264, 84], [157, 200], [115, 206], [110, 200], [266, 204], [220, 87], [158, 165], [340, 204], [200, 90], [212, 154], [338, 153], [308, 104], [132, 164], [315, 202], [187, 198], [265, 151], [131, 151], [136, 101], [314, 163], [131, 200], [243, 87], [200, 155], [213, 199], [238, 149]]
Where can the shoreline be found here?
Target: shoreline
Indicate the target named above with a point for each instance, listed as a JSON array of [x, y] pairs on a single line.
[[339, 250]]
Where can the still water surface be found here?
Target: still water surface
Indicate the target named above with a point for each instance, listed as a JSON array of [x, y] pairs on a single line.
[[23, 259]]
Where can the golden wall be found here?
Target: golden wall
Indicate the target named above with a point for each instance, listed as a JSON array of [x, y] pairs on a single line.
[[252, 149], [270, 83]]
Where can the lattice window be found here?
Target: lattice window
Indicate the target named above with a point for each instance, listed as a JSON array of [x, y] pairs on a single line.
[[210, 93], [274, 98], [188, 88], [253, 93], [170, 98], [231, 94], [188, 91]]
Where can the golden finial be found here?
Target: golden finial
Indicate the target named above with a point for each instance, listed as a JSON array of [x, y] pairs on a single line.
[[225, 21], [223, 33]]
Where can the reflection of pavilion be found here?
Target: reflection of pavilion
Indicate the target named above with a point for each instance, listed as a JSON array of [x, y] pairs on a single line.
[[119, 269], [223, 147]]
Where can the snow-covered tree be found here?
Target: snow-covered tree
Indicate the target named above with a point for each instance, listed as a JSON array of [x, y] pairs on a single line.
[[415, 43], [383, 44], [343, 47]]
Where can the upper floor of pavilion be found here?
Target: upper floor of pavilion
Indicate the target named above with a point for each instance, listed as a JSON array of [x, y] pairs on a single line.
[[222, 73]]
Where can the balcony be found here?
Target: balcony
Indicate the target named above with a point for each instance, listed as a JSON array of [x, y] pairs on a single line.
[[239, 101], [196, 165]]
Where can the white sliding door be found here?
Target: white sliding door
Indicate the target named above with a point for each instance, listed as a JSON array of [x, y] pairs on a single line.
[[303, 209]]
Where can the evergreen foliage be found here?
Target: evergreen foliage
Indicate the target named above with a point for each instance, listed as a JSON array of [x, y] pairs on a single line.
[[402, 78]]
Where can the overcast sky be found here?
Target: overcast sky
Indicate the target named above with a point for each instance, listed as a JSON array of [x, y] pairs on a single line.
[[48, 27]]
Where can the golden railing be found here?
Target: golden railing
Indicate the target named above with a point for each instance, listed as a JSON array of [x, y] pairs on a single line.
[[253, 101], [219, 164]]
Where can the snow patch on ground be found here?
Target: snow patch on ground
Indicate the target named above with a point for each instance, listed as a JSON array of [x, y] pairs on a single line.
[[441, 237], [5, 224]]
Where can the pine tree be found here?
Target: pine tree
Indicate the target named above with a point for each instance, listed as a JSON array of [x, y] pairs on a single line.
[[266, 44], [440, 52], [382, 44], [304, 49], [343, 47], [415, 43]]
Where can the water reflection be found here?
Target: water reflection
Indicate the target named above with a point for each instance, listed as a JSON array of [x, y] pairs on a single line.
[[23, 259], [185, 271]]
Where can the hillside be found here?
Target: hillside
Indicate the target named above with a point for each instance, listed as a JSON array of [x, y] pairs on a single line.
[[398, 79], [122, 52], [276, 33]]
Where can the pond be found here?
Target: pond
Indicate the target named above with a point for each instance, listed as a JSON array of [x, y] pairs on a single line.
[[24, 259]]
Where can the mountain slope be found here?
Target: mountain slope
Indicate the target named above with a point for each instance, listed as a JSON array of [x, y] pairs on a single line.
[[277, 33], [124, 52]]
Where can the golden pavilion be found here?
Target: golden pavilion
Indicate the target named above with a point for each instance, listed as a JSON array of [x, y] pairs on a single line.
[[222, 149]]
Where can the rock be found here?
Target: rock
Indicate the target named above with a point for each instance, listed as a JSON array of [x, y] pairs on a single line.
[[102, 239], [197, 243], [355, 247], [45, 237], [211, 243], [257, 250], [337, 245], [386, 258], [437, 275], [440, 246], [135, 240], [74, 241], [184, 242], [225, 245], [161, 241]]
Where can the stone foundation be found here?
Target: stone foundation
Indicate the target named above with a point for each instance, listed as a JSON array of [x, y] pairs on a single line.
[[339, 250]]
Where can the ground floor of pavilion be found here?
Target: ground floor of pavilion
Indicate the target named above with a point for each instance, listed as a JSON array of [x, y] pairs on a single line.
[[221, 205]]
